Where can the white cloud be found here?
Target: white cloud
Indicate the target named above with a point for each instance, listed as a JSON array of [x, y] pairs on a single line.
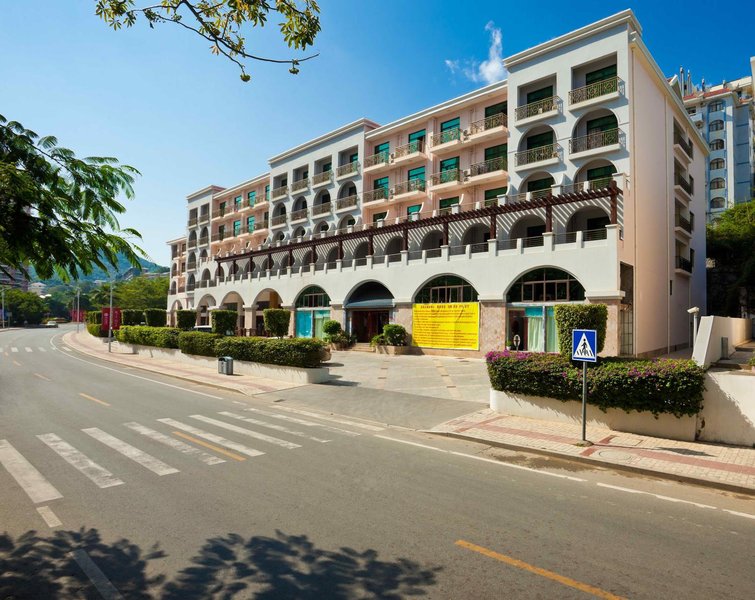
[[488, 71]]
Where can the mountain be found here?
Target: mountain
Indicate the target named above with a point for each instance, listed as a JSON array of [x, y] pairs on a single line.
[[124, 270]]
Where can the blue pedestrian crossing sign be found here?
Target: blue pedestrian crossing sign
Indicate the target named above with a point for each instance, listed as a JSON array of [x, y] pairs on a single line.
[[584, 345]]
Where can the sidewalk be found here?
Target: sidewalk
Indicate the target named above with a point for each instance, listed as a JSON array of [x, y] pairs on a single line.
[[244, 384], [725, 467]]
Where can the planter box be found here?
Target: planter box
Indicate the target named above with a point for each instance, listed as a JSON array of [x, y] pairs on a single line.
[[393, 350], [240, 367], [570, 411]]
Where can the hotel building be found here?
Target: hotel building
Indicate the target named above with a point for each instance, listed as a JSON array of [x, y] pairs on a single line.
[[576, 180]]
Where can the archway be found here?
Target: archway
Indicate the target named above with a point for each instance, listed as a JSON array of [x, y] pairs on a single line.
[[347, 221], [233, 301], [173, 288], [591, 220], [191, 282], [205, 279], [444, 289], [267, 298], [597, 174], [312, 310], [596, 129], [393, 249], [360, 253], [477, 237], [203, 309], [368, 309], [538, 184], [531, 228], [332, 257], [432, 242]]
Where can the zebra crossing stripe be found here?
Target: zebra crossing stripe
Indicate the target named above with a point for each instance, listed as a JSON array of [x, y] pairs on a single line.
[[28, 349], [304, 422], [280, 428], [26, 475], [211, 437], [14, 349], [41, 349], [100, 476], [331, 418], [243, 431], [138, 456], [206, 458]]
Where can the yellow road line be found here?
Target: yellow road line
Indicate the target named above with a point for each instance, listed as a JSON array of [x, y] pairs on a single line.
[[15, 362], [212, 447], [93, 399], [520, 564], [41, 376]]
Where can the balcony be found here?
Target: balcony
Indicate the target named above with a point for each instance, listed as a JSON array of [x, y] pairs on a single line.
[[411, 152], [488, 127], [413, 188], [191, 265], [193, 222], [279, 192], [682, 225], [446, 141], [542, 155], [347, 203], [322, 178], [683, 147], [683, 265], [351, 168], [684, 188], [378, 195], [204, 217], [277, 221], [445, 181], [321, 209], [537, 110], [599, 91], [220, 213], [488, 170], [600, 141], [219, 237], [260, 225], [301, 184], [299, 215], [204, 241], [376, 162], [191, 245]]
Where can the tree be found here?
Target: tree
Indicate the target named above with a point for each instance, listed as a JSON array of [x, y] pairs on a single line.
[[25, 307], [220, 22], [100, 296], [58, 213], [143, 292]]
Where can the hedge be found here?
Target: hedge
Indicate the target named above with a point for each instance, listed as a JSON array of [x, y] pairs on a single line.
[[395, 335], [331, 327], [94, 316], [224, 321], [658, 386], [95, 329], [132, 316], [160, 337], [186, 319], [580, 316], [276, 321], [197, 342], [155, 317], [296, 352]]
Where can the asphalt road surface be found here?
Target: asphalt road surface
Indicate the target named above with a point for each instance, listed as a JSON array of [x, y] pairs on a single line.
[[116, 483]]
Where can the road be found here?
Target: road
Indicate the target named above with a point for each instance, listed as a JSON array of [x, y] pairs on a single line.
[[116, 483]]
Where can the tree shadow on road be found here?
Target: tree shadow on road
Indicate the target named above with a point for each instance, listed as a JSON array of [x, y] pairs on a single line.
[[230, 566]]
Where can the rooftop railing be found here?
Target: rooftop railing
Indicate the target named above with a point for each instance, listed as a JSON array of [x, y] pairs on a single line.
[[537, 108], [594, 90]]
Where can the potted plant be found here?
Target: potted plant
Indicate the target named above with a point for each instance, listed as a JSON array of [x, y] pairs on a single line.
[[751, 362], [334, 335], [391, 341]]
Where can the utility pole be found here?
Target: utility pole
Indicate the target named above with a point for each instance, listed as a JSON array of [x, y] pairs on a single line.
[[110, 318], [2, 293], [78, 308]]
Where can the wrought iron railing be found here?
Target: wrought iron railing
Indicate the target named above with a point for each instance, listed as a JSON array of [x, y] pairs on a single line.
[[491, 122], [594, 90], [410, 148], [348, 168], [323, 177], [193, 222], [444, 137], [298, 215], [533, 155], [683, 223], [279, 191], [203, 241], [192, 245], [685, 145], [683, 264], [204, 217], [301, 184], [380, 193], [447, 176], [347, 202], [321, 209], [488, 166], [278, 220], [376, 159], [259, 225], [687, 186], [412, 185], [532, 109], [599, 139]]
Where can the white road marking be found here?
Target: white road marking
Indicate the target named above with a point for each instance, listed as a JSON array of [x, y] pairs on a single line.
[[26, 475], [210, 437], [50, 518], [243, 431], [272, 426], [138, 456], [96, 576], [66, 348], [41, 349], [659, 496], [100, 476], [307, 413], [739, 514], [382, 437], [28, 349], [205, 457], [302, 422], [14, 349]]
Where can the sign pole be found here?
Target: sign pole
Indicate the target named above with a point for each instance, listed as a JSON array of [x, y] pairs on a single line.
[[110, 319], [584, 401], [584, 348]]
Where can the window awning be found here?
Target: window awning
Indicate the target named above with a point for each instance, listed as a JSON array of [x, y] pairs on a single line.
[[374, 303]]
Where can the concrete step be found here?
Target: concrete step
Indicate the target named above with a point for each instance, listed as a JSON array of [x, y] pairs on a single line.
[[363, 347]]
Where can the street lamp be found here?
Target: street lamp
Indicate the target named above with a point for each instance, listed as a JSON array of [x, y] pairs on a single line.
[[110, 318], [2, 293], [695, 311]]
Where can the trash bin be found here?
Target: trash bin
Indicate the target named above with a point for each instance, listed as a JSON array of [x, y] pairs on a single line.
[[225, 365]]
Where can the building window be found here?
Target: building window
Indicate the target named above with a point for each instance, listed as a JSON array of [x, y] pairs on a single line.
[[418, 173], [539, 140], [717, 184], [541, 94], [691, 111], [496, 109], [379, 217], [717, 145], [546, 285], [716, 106], [447, 203], [353, 157], [445, 289], [250, 224], [221, 232], [267, 192], [417, 139], [717, 202], [251, 197], [600, 74], [382, 182], [717, 125], [537, 185], [450, 125], [383, 148], [717, 163], [413, 210], [313, 297], [494, 152], [449, 164], [326, 167], [491, 196], [237, 227], [221, 207]]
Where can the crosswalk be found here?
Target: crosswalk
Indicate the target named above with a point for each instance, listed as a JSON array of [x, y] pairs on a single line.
[[207, 439], [16, 349]]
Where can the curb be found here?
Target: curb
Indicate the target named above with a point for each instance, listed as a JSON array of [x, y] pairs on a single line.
[[726, 487]]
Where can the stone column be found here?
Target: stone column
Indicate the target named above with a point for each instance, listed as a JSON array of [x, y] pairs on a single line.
[[250, 317], [492, 325], [613, 343], [337, 313], [292, 322], [402, 315]]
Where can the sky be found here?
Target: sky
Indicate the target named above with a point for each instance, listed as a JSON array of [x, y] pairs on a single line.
[[158, 100]]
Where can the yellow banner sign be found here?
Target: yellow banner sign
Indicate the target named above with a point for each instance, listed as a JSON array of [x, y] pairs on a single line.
[[455, 325]]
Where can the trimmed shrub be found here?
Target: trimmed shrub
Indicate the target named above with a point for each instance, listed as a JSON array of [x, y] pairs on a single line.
[[155, 317], [331, 327], [378, 340], [395, 335], [580, 316], [197, 342], [95, 329], [94, 316], [224, 321], [132, 316], [296, 352], [186, 319], [160, 337], [276, 321], [658, 386]]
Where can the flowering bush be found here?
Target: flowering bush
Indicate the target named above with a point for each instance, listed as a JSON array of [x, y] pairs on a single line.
[[657, 386]]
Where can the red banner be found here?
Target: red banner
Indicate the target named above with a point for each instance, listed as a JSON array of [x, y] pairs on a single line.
[[106, 318], [77, 316]]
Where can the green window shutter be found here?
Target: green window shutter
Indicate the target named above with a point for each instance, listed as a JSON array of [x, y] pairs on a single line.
[[601, 124], [449, 164], [354, 157], [451, 124], [414, 209], [221, 232], [498, 151], [326, 167], [600, 172], [251, 197], [384, 147], [418, 173], [417, 135], [541, 94], [540, 184], [250, 224], [222, 208], [236, 227], [495, 192], [379, 216], [540, 140], [380, 183], [267, 192], [600, 74], [449, 202], [500, 107]]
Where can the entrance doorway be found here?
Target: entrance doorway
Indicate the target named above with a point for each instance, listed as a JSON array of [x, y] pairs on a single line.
[[366, 324]]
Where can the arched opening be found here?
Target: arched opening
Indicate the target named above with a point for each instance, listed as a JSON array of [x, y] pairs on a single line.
[[205, 279], [191, 262], [432, 242], [203, 310], [591, 220], [233, 301], [174, 270], [368, 310], [312, 310], [332, 257], [717, 202], [477, 237], [445, 289], [306, 260], [191, 282], [172, 313], [595, 175], [284, 261], [279, 237], [347, 221], [203, 254], [220, 273], [299, 232], [322, 227], [537, 145], [531, 229], [538, 184], [596, 129], [393, 249], [279, 215], [192, 239], [531, 324], [322, 199], [267, 298], [360, 253], [204, 237], [173, 287], [347, 190], [299, 210]]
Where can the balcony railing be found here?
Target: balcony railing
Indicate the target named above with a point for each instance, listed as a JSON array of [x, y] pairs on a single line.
[[191, 245], [221, 212], [488, 123], [536, 108], [322, 177], [203, 241], [406, 187], [533, 155], [347, 202], [321, 209], [190, 287], [259, 225], [301, 184], [686, 145], [299, 214], [193, 222], [687, 186], [447, 176], [380, 193], [594, 90], [446, 136], [488, 166], [279, 191], [191, 266], [348, 168], [219, 237], [683, 264], [376, 159], [599, 139], [410, 148], [278, 220], [683, 223], [204, 217]]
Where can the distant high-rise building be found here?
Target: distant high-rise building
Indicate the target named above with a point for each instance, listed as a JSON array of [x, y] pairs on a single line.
[[725, 116], [13, 278]]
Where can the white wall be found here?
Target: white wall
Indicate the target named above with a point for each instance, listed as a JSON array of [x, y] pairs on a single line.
[[711, 330], [728, 414]]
